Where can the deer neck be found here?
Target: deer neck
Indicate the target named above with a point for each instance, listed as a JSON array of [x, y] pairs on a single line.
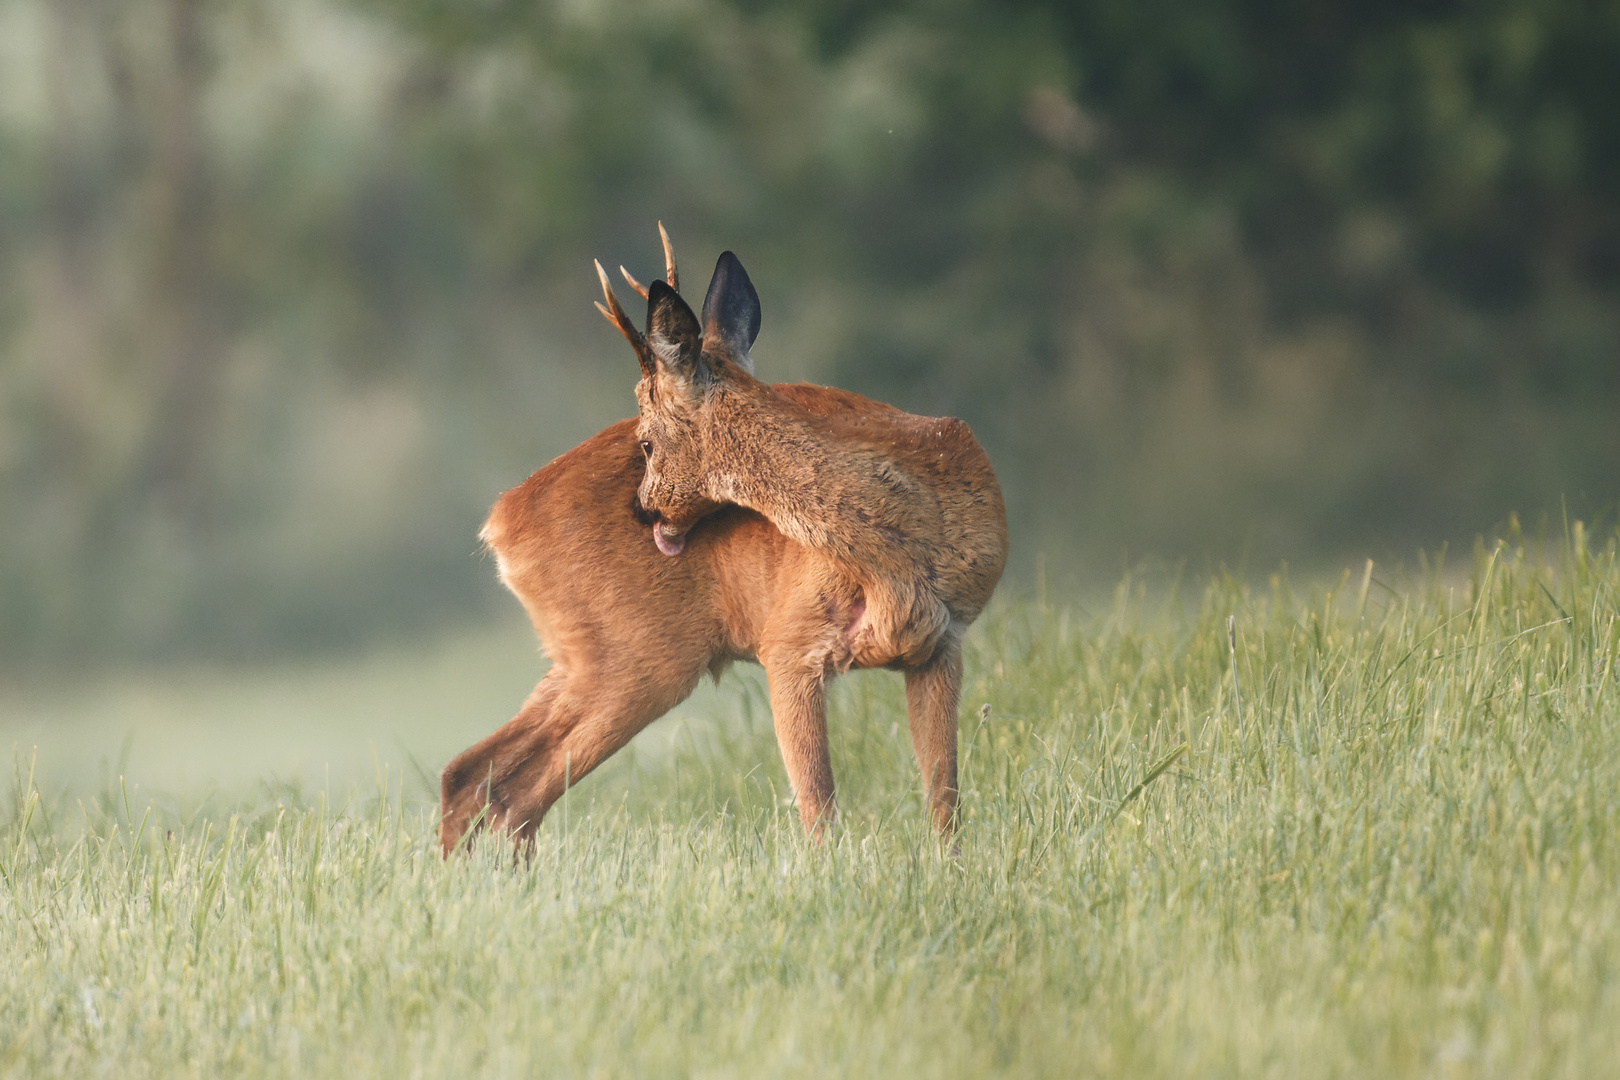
[[766, 456], [817, 489]]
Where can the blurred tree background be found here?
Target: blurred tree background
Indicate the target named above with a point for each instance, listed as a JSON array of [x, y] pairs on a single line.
[[293, 288]]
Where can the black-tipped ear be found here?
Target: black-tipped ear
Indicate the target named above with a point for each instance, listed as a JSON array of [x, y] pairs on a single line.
[[731, 312], [673, 335]]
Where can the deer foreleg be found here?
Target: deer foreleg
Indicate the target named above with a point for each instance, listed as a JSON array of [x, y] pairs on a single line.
[[799, 709]]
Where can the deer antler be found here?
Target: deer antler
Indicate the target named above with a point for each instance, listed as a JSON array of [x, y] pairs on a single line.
[[669, 259], [641, 290], [614, 314], [669, 267]]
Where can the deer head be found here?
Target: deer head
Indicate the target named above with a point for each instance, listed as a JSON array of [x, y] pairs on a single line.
[[685, 364]]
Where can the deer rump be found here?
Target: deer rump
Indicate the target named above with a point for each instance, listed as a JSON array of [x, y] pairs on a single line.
[[630, 630]]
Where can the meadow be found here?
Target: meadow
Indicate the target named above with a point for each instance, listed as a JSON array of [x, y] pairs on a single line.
[[1360, 828]]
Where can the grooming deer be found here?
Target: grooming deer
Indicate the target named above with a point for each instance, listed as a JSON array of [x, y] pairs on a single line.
[[663, 548]]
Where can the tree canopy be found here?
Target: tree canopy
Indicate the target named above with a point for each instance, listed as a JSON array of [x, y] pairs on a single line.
[[292, 290]]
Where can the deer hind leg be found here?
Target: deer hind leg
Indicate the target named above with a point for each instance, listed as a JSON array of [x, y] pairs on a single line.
[[904, 621], [568, 726], [799, 709], [932, 693]]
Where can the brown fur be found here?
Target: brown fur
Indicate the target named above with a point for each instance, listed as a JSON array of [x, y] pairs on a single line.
[[906, 506], [630, 631]]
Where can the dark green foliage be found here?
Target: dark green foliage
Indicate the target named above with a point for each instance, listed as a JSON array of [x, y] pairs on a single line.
[[1223, 280]]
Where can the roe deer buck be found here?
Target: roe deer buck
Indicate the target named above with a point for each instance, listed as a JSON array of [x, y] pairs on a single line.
[[631, 630], [905, 506]]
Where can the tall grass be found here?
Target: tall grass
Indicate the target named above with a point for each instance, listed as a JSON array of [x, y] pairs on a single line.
[[1391, 848]]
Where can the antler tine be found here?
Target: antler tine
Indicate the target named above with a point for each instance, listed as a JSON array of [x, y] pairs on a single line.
[[641, 290], [614, 314], [669, 259]]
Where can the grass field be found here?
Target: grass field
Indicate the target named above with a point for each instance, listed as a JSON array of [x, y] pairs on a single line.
[[1391, 848]]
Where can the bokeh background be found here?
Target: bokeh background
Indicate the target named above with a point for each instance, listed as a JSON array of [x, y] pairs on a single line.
[[291, 289]]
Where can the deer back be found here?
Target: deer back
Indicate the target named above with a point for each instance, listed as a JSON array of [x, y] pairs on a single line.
[[571, 544]]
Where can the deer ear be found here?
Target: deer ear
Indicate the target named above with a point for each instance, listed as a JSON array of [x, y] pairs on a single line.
[[731, 312], [673, 335]]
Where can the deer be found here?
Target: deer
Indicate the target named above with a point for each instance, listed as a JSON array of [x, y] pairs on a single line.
[[640, 574], [906, 506]]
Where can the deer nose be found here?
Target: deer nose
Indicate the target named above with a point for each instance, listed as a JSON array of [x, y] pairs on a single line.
[[643, 515]]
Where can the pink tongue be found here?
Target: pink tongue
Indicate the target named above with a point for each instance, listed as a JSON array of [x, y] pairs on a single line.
[[669, 546]]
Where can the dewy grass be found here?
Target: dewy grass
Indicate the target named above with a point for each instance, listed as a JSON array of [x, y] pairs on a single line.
[[1399, 856]]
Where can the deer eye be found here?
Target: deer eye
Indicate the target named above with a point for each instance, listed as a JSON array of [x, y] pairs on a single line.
[[646, 449]]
